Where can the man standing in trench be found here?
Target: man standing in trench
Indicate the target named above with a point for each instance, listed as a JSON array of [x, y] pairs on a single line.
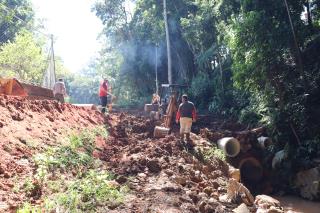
[[186, 115], [59, 90], [103, 93]]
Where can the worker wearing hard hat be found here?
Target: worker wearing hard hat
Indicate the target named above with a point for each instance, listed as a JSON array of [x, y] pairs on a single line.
[[59, 90], [186, 115]]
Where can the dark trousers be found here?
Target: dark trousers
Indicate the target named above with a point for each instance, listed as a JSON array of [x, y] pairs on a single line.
[[59, 97], [103, 101]]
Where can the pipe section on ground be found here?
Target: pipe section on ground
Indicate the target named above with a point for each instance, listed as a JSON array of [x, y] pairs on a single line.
[[160, 132], [87, 106], [230, 146], [264, 142], [250, 169]]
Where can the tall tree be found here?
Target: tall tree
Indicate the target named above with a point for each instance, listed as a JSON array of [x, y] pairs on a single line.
[[23, 58], [14, 16]]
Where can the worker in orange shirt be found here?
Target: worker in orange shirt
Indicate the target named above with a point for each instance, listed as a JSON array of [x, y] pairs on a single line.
[[103, 93]]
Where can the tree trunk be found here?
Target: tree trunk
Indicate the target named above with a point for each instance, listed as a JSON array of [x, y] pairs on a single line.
[[168, 41], [298, 51], [307, 5]]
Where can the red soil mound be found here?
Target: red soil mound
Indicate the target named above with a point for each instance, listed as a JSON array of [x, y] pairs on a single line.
[[28, 125]]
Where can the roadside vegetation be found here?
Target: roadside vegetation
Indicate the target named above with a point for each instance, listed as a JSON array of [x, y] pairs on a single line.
[[70, 179]]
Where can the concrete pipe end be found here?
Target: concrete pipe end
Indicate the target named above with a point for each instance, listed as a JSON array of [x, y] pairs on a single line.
[[230, 146], [250, 169]]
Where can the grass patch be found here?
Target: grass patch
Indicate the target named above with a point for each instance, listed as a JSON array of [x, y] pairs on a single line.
[[28, 208], [87, 194], [74, 154], [214, 152], [71, 179]]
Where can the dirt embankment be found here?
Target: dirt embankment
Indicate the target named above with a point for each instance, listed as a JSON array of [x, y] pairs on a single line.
[[26, 127], [163, 176]]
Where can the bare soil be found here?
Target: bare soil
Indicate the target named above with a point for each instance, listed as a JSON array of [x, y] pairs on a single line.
[[28, 127], [162, 174]]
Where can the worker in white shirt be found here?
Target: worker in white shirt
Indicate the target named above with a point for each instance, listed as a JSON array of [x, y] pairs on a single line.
[[59, 90]]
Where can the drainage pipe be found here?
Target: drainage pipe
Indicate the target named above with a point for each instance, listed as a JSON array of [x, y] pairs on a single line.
[[250, 169], [230, 146], [264, 142]]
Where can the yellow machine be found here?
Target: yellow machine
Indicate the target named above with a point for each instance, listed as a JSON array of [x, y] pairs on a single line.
[[169, 99], [12, 87]]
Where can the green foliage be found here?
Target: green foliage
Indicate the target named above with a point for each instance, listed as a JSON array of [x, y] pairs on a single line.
[[74, 154], [15, 15], [303, 155], [23, 58], [75, 184], [28, 185], [214, 152], [28, 208], [87, 194], [201, 86]]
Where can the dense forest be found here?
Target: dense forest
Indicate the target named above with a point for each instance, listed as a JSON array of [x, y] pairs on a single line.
[[254, 61]]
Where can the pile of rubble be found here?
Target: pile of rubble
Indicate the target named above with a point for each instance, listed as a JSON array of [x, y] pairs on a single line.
[[166, 177]]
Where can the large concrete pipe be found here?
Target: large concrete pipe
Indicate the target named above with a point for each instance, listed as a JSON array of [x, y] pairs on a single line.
[[264, 142], [160, 132], [230, 146], [250, 169], [87, 106]]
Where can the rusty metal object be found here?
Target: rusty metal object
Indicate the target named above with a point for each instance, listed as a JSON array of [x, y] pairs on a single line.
[[36, 92], [11, 86]]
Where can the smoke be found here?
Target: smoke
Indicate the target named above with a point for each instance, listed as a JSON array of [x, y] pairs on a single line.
[[142, 52]]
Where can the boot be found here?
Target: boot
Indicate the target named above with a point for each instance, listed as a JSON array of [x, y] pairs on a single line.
[[182, 138], [189, 141], [188, 137]]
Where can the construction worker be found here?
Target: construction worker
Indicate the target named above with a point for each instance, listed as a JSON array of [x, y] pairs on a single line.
[[103, 93], [155, 99], [186, 115], [59, 90]]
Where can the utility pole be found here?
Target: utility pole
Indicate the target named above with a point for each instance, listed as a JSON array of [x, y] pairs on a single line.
[[156, 68], [49, 77], [53, 59], [168, 41]]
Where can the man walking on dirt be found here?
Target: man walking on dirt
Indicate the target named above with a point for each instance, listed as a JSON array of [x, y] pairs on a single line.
[[59, 90], [186, 115], [103, 93]]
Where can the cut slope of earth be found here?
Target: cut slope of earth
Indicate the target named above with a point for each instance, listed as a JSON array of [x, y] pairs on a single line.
[[28, 126]]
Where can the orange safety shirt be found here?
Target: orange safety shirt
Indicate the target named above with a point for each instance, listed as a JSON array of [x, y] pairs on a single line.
[[103, 89]]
